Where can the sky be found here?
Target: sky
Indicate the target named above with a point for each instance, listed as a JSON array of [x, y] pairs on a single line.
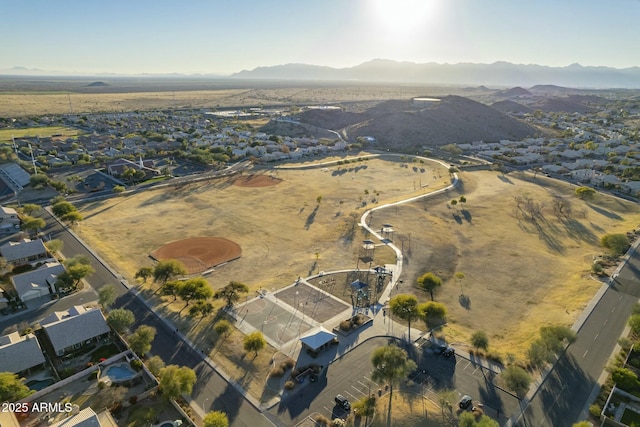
[[224, 37]]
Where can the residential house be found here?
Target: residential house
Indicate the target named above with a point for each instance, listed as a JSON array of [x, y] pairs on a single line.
[[118, 167], [9, 221], [20, 354], [26, 251], [37, 283], [72, 329], [88, 418]]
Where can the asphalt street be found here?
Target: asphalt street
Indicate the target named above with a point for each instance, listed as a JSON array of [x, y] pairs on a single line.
[[211, 390], [564, 393]]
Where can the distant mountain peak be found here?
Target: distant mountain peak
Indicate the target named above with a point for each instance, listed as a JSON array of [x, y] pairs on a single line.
[[499, 73]]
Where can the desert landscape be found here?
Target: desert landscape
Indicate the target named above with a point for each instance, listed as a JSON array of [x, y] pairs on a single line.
[[519, 275]]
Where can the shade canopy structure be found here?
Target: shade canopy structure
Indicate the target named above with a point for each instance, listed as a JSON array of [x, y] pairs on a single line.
[[318, 338], [358, 284]]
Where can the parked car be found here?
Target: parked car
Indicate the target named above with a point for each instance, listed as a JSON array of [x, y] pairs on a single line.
[[450, 351], [343, 402], [466, 402], [439, 349]]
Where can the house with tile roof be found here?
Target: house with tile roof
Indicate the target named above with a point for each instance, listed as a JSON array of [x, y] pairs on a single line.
[[72, 329], [20, 354]]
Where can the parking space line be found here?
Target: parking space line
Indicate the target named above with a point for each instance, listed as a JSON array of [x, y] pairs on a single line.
[[352, 396], [371, 381], [327, 409], [356, 388], [368, 386]]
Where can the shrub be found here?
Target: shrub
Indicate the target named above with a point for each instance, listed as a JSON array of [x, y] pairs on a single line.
[[595, 410], [616, 243], [289, 385], [276, 372], [133, 399], [345, 325], [136, 365], [322, 420]]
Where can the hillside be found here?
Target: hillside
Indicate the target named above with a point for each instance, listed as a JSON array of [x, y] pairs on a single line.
[[508, 106], [403, 126]]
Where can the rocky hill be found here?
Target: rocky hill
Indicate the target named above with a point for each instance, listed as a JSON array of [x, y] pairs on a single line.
[[403, 126]]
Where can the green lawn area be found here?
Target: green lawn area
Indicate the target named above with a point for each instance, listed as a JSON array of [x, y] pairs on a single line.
[[105, 351], [45, 131], [630, 418]]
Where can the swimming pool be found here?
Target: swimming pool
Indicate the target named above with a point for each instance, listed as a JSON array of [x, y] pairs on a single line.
[[38, 385], [117, 373]]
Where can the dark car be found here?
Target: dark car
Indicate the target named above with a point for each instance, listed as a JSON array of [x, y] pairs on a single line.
[[439, 349], [465, 402], [449, 351], [343, 402]]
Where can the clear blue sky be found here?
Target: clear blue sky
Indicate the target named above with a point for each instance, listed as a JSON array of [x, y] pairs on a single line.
[[223, 37]]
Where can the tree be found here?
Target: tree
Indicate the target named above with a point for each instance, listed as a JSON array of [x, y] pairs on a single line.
[[468, 419], [30, 208], [172, 289], [634, 322], [460, 278], [144, 273], [231, 292], [433, 314], [479, 339], [176, 380], [62, 208], [390, 365], [107, 296], [77, 272], [517, 379], [117, 189], [72, 217], [429, 282], [254, 342], [12, 387], [194, 289], [109, 396], [616, 243], [216, 419], [585, 193], [625, 378], [167, 269], [140, 341], [34, 224], [120, 319], [222, 328], [155, 365], [54, 245], [405, 307], [454, 202], [201, 308], [582, 424]]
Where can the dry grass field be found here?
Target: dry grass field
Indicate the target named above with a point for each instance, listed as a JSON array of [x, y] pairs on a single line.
[[283, 230], [518, 275], [130, 98]]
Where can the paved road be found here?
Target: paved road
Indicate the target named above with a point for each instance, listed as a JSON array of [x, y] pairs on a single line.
[[562, 396], [210, 390]]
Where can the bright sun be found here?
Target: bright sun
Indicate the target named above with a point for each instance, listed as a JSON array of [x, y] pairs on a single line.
[[403, 17]]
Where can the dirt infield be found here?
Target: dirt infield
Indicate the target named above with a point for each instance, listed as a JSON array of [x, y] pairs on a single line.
[[199, 253], [257, 181]]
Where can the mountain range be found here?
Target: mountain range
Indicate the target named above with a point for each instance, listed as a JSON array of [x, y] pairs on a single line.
[[496, 74]]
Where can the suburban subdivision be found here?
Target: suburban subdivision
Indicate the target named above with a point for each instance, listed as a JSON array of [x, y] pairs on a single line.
[[348, 255]]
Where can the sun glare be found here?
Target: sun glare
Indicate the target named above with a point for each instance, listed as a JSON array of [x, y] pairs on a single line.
[[404, 17]]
